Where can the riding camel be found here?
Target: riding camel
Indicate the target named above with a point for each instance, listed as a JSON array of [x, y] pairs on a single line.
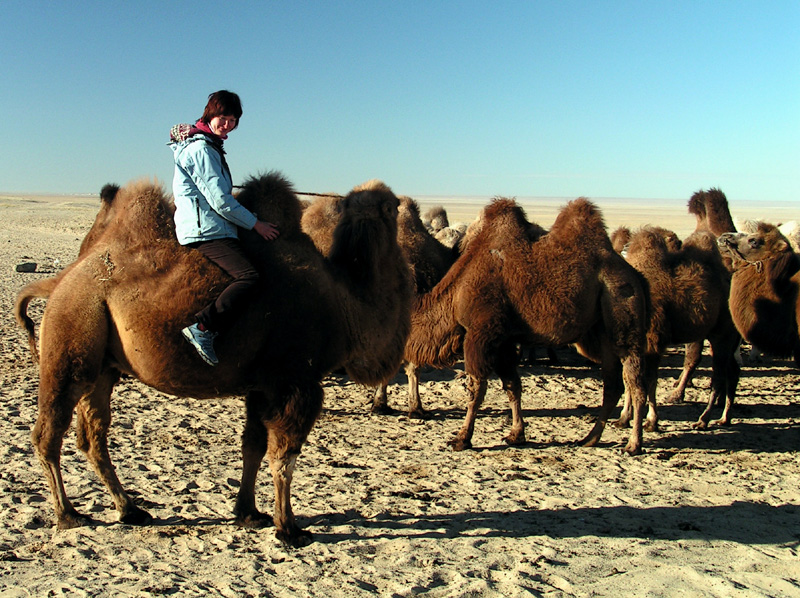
[[765, 289], [516, 283], [688, 285], [120, 307]]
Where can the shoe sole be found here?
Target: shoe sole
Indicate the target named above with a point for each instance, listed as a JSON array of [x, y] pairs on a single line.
[[190, 339]]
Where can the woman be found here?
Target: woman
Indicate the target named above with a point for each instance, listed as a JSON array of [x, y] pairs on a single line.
[[207, 215]]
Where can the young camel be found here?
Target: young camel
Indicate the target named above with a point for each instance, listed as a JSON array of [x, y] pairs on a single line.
[[516, 282], [765, 289], [688, 286], [120, 308]]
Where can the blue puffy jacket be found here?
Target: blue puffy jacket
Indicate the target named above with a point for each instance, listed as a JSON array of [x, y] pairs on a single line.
[[205, 208]]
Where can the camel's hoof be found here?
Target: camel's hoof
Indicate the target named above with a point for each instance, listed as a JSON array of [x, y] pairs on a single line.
[[382, 410], [254, 520], [674, 398], [136, 516], [295, 539], [651, 426], [590, 441], [459, 444], [700, 425], [73, 519], [515, 439], [621, 423], [720, 422], [633, 450], [418, 413]]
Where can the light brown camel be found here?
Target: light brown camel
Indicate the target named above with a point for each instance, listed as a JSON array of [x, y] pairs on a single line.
[[688, 286], [120, 308], [712, 214], [41, 289], [427, 258], [518, 283], [765, 289]]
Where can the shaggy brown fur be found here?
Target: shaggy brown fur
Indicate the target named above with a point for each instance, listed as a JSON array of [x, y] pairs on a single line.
[[41, 289], [427, 258], [121, 306], [689, 303], [710, 208], [517, 284], [764, 298]]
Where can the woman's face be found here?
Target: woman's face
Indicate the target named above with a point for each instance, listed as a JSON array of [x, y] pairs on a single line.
[[222, 125]]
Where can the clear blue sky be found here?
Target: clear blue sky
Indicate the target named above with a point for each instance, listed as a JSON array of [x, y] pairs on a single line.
[[639, 99]]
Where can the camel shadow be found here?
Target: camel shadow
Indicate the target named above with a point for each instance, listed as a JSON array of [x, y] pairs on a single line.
[[768, 524]]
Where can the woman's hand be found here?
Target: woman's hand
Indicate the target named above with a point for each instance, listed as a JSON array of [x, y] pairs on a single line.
[[267, 230]]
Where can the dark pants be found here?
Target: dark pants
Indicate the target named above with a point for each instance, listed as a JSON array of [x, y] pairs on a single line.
[[228, 255]]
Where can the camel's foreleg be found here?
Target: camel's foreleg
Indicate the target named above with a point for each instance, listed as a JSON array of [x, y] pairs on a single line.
[[415, 408], [254, 447], [94, 419], [286, 437], [612, 390], [477, 391], [507, 371]]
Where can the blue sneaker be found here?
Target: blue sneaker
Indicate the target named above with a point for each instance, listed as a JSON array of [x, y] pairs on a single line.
[[202, 341]]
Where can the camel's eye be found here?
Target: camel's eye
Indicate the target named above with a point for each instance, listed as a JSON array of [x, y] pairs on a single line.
[[754, 242]]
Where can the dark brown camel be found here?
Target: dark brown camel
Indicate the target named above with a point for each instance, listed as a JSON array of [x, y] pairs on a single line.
[[688, 286], [120, 307], [518, 283], [712, 214], [427, 258], [765, 297]]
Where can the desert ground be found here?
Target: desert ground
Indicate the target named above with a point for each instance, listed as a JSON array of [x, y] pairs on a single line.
[[393, 510]]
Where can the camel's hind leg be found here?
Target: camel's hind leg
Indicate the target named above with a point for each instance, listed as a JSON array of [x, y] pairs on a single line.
[[477, 392], [48, 433], [725, 373], [691, 359], [94, 419], [71, 357], [380, 401]]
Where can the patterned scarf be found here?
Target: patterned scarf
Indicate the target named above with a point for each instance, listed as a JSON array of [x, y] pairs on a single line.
[[183, 131]]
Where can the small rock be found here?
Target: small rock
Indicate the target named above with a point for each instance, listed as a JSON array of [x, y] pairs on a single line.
[[26, 267]]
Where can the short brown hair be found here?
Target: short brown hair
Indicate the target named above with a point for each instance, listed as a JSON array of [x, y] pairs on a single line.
[[222, 103]]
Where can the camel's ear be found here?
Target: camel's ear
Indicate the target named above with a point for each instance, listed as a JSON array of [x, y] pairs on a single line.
[[781, 245]]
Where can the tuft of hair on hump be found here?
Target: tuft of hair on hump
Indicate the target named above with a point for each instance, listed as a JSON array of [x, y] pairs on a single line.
[[372, 185], [108, 192], [272, 198], [697, 203], [580, 220]]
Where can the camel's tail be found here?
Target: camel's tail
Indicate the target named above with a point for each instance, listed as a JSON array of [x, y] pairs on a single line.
[[39, 289]]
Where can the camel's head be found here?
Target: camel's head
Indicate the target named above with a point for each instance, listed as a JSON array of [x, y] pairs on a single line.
[[764, 244], [367, 230]]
